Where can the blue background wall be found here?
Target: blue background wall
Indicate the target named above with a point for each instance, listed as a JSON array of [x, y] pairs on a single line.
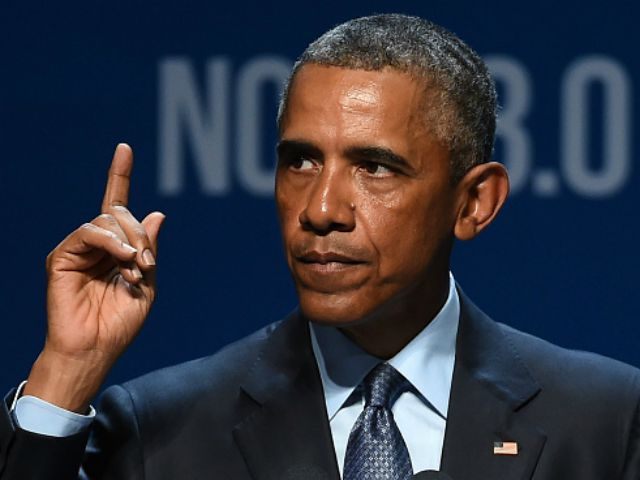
[[561, 261]]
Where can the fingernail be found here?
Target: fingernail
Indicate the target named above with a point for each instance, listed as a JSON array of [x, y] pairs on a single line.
[[148, 257], [128, 247], [136, 273]]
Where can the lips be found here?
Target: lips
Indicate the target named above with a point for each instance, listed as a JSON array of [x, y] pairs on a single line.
[[329, 271], [324, 258]]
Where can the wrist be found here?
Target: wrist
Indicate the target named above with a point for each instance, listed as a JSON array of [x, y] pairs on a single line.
[[67, 381]]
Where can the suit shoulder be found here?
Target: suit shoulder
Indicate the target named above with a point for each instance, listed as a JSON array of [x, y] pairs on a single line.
[[575, 370], [219, 374]]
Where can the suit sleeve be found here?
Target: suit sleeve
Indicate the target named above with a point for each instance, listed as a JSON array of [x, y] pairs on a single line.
[[111, 449], [115, 445], [30, 455]]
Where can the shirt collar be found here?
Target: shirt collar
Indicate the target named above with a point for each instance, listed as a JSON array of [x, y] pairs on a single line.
[[426, 361]]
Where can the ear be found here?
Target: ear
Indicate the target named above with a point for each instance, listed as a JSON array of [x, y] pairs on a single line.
[[481, 194]]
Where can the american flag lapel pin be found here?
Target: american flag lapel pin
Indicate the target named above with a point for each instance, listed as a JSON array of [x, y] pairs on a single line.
[[505, 448]]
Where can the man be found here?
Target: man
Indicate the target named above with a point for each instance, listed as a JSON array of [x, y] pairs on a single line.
[[387, 368]]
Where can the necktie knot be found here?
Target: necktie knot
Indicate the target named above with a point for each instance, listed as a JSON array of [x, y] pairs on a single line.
[[383, 385]]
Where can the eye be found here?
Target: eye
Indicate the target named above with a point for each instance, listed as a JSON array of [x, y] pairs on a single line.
[[301, 164], [376, 169]]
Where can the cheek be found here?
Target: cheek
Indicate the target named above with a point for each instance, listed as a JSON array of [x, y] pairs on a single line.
[[288, 220], [289, 204], [284, 204], [406, 231]]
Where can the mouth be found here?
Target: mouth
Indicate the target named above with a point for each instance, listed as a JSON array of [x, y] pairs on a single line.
[[326, 258], [329, 266], [328, 270]]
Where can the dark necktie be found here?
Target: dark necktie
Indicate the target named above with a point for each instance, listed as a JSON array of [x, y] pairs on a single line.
[[376, 449]]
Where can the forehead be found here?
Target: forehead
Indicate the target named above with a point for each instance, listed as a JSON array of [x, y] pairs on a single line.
[[353, 101]]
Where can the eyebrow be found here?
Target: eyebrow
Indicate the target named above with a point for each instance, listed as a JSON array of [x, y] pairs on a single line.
[[290, 147], [380, 154]]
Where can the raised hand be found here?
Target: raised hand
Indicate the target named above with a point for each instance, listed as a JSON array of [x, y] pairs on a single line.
[[101, 285]]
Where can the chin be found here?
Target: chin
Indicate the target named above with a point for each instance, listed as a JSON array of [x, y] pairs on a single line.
[[339, 310]]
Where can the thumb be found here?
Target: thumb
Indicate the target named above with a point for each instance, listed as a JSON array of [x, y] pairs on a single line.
[[152, 224]]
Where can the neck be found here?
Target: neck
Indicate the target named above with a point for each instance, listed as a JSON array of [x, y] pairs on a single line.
[[392, 326]]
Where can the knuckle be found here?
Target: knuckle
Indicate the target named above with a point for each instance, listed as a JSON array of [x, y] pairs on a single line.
[[106, 218], [118, 208], [140, 233], [112, 235], [87, 227]]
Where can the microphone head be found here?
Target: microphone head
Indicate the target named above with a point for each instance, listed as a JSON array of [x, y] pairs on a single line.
[[431, 475]]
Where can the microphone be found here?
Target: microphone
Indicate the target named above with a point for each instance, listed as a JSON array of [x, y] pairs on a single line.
[[431, 475]]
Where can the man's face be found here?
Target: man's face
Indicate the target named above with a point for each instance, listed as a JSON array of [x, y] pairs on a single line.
[[363, 192]]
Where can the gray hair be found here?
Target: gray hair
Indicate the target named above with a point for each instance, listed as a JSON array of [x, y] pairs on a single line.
[[461, 109]]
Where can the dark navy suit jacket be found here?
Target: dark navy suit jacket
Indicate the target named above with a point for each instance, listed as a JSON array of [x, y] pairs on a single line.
[[256, 410]]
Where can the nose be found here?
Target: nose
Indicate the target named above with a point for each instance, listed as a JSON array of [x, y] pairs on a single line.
[[329, 205]]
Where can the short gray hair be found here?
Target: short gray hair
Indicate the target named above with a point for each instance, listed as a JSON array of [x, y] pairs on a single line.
[[462, 107]]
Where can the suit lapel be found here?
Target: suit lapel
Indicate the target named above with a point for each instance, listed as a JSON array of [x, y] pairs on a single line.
[[286, 435], [490, 384]]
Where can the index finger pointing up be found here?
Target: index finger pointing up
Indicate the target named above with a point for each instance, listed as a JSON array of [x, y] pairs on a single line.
[[117, 191]]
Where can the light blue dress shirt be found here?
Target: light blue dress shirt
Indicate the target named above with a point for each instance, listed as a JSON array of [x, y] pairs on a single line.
[[427, 362], [38, 416]]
